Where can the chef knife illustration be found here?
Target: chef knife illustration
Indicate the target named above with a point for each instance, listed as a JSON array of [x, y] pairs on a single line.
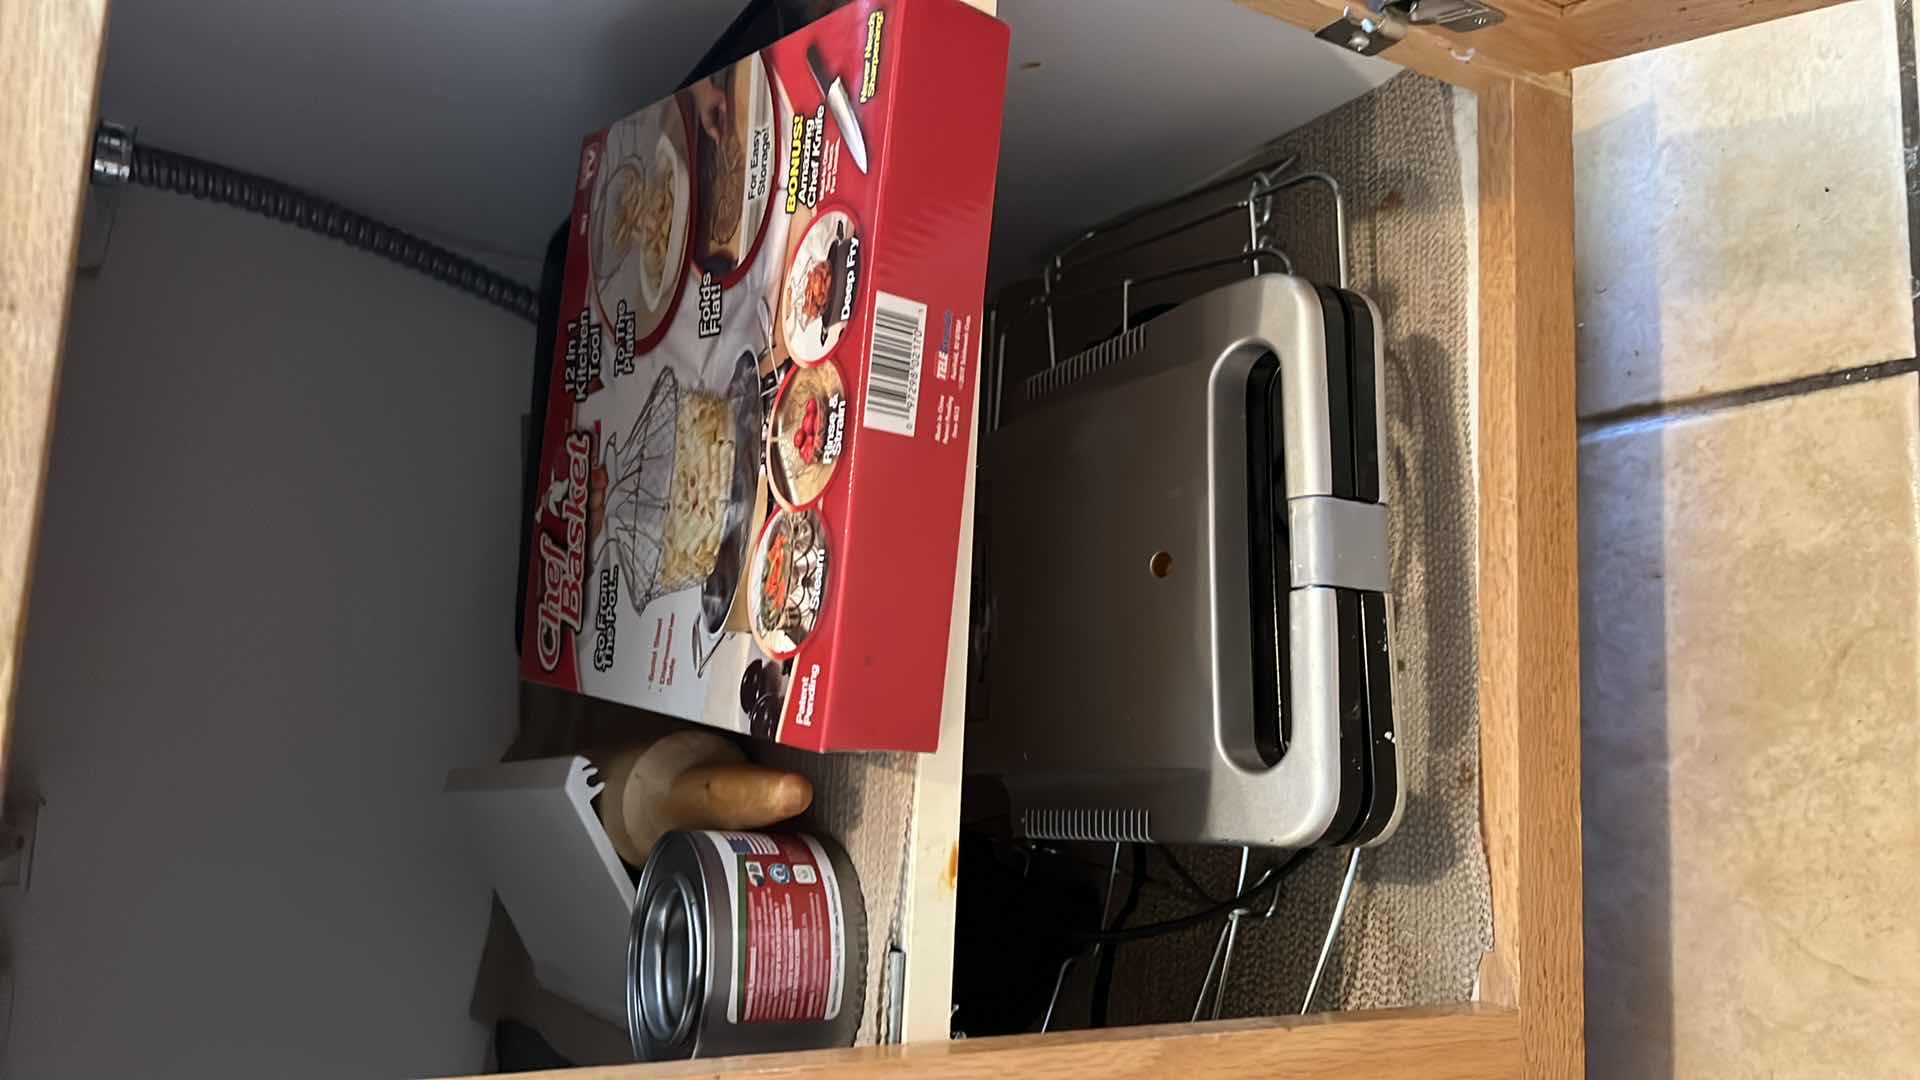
[[835, 92]]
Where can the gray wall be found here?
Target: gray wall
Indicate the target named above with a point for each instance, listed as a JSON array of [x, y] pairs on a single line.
[[272, 608]]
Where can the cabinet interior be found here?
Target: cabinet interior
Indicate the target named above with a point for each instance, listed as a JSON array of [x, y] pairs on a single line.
[[475, 148]]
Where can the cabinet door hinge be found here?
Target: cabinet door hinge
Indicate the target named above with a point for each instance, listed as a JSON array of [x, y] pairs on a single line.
[[1374, 28]]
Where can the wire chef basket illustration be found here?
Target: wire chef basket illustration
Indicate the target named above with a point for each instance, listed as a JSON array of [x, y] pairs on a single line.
[[639, 493]]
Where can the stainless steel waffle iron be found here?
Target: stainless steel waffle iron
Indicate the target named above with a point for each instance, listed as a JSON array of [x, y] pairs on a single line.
[[1190, 597]]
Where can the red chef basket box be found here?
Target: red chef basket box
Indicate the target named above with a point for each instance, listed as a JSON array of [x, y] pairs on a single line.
[[748, 502]]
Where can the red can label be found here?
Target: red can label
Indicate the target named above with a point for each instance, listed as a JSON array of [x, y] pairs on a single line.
[[789, 934]]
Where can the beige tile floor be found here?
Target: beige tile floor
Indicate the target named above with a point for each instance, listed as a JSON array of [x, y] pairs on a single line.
[[1741, 210], [1750, 556]]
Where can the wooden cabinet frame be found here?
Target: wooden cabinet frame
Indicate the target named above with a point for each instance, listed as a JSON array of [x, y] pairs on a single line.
[[1529, 1019]]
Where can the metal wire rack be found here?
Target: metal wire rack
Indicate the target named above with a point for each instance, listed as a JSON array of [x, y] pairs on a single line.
[[1260, 253]]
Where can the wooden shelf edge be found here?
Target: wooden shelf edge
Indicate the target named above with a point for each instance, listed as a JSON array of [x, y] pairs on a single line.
[[933, 846], [1470, 1042], [49, 76], [1467, 61], [1542, 40], [1529, 571]]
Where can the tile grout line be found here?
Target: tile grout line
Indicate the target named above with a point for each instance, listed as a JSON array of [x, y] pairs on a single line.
[[1641, 417], [1906, 45], [1633, 418], [1909, 75]]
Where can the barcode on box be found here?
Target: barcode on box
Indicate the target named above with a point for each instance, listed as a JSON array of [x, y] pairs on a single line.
[[893, 363]]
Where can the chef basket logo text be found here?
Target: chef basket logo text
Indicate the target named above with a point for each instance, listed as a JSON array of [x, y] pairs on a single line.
[[563, 568]]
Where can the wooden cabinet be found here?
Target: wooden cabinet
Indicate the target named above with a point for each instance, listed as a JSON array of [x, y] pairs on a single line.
[[1528, 1019]]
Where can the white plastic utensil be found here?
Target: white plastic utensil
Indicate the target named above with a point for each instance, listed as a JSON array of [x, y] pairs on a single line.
[[535, 828]]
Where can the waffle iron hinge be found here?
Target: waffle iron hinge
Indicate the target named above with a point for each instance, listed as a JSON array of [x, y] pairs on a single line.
[[1338, 543], [1377, 25]]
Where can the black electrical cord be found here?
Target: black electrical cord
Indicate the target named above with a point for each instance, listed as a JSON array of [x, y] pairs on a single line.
[[1173, 887], [1103, 971], [184, 174], [1271, 878], [1180, 870]]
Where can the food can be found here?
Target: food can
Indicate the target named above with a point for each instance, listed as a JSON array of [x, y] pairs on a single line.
[[745, 943]]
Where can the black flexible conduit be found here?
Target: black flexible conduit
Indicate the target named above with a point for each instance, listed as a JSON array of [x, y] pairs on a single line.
[[185, 175]]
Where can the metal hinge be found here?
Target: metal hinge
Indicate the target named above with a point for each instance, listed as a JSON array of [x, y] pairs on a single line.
[[1373, 29], [112, 153]]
